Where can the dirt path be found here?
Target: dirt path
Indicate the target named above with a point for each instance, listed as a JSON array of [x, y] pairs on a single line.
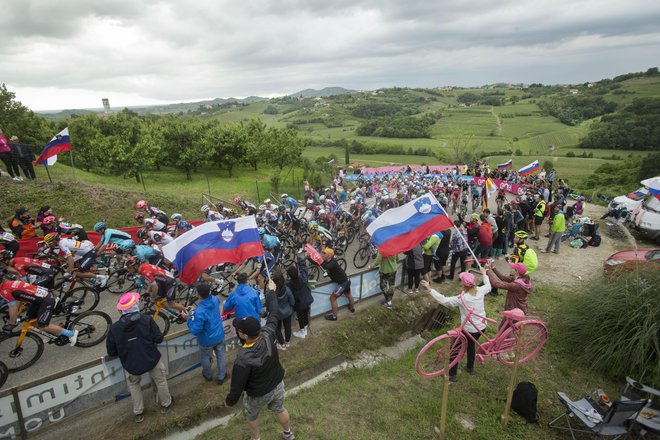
[[498, 121], [578, 266]]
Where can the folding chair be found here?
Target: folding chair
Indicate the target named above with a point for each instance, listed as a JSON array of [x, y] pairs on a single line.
[[613, 422], [649, 418]]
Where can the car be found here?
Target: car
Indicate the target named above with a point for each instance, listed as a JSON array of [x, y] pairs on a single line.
[[632, 259]]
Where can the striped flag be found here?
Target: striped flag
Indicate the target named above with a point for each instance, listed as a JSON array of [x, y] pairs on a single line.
[[400, 229], [529, 169], [230, 241], [506, 164], [60, 142]]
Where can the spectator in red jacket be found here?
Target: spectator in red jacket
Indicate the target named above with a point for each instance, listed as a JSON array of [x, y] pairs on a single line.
[[485, 238]]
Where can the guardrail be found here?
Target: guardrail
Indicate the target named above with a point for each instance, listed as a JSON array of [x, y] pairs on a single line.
[[35, 406]]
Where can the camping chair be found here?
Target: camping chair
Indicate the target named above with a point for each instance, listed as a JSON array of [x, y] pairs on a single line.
[[613, 422], [649, 418]]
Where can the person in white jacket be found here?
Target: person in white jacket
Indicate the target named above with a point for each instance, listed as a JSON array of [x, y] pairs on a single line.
[[471, 297]]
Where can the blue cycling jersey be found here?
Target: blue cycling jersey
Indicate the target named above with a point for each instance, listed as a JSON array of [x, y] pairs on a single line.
[[117, 237], [145, 252], [291, 202], [270, 242]]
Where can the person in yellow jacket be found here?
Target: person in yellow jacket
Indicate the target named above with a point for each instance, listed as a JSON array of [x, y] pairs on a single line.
[[539, 215], [522, 253], [557, 229]]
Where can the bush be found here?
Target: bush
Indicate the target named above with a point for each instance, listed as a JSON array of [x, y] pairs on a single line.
[[614, 325], [570, 154], [518, 152]]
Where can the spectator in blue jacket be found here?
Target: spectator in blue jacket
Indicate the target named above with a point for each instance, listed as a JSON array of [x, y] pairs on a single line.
[[244, 300], [206, 324]]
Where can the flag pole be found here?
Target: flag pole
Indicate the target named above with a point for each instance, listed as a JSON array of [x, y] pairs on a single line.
[[48, 172], [73, 168]]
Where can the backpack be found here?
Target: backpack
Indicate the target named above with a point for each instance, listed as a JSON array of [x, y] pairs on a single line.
[[524, 401], [595, 241]]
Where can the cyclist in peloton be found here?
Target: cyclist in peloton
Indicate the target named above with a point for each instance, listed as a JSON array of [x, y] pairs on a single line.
[[246, 206], [36, 272], [41, 304], [76, 231], [115, 236], [180, 226], [152, 211], [152, 223], [319, 237], [289, 202], [161, 283], [83, 249], [211, 215]]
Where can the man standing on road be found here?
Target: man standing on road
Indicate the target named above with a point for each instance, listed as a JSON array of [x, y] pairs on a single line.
[[206, 324], [133, 338], [257, 371]]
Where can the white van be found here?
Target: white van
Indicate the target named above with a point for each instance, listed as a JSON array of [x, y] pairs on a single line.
[[646, 219], [634, 199]]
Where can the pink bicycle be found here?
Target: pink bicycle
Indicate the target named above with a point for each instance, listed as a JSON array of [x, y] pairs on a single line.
[[430, 361]]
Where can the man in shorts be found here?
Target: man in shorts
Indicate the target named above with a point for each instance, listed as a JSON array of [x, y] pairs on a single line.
[[257, 371], [337, 275]]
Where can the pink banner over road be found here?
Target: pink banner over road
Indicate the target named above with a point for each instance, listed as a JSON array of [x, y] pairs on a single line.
[[513, 188], [415, 168]]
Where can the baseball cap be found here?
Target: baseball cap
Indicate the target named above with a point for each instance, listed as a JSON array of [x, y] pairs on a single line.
[[250, 326]]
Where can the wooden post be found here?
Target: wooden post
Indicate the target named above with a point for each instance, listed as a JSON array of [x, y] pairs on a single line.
[[514, 371], [445, 394]]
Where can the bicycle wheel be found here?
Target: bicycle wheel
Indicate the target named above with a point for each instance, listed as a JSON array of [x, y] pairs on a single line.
[[162, 322], [342, 263], [93, 328], [535, 334], [314, 272], [87, 299], [361, 258], [4, 373], [430, 361], [341, 243], [119, 282], [20, 358]]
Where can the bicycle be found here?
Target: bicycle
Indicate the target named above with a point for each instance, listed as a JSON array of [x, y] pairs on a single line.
[[365, 254], [21, 349], [430, 361], [160, 310]]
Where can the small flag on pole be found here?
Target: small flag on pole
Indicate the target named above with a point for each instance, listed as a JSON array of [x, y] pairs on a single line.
[[529, 169], [60, 142], [401, 229], [506, 164]]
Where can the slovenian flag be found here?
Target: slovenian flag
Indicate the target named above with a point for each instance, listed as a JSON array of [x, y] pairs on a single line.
[[57, 144], [229, 241], [529, 169], [506, 164], [400, 229]]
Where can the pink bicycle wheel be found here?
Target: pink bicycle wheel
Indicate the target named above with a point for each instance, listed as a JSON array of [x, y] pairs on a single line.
[[535, 334], [430, 361]]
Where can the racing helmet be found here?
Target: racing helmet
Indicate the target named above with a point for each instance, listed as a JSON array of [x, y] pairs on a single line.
[[177, 217], [313, 226], [205, 208], [50, 238], [48, 220], [141, 204], [99, 225]]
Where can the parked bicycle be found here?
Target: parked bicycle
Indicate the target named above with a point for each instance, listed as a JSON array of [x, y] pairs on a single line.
[[533, 333]]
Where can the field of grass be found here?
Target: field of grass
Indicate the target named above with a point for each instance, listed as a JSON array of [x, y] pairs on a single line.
[[391, 401]]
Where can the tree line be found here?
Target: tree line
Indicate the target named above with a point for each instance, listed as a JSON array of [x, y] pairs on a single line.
[[127, 143], [635, 127]]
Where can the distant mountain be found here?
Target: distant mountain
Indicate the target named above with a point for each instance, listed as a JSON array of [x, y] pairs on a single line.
[[158, 108], [328, 91]]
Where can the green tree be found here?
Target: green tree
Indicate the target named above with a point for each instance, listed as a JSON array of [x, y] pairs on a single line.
[[255, 147], [18, 120], [181, 138], [285, 148], [227, 145]]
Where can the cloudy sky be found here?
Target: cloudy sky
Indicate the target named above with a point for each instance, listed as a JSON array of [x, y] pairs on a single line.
[[72, 53]]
